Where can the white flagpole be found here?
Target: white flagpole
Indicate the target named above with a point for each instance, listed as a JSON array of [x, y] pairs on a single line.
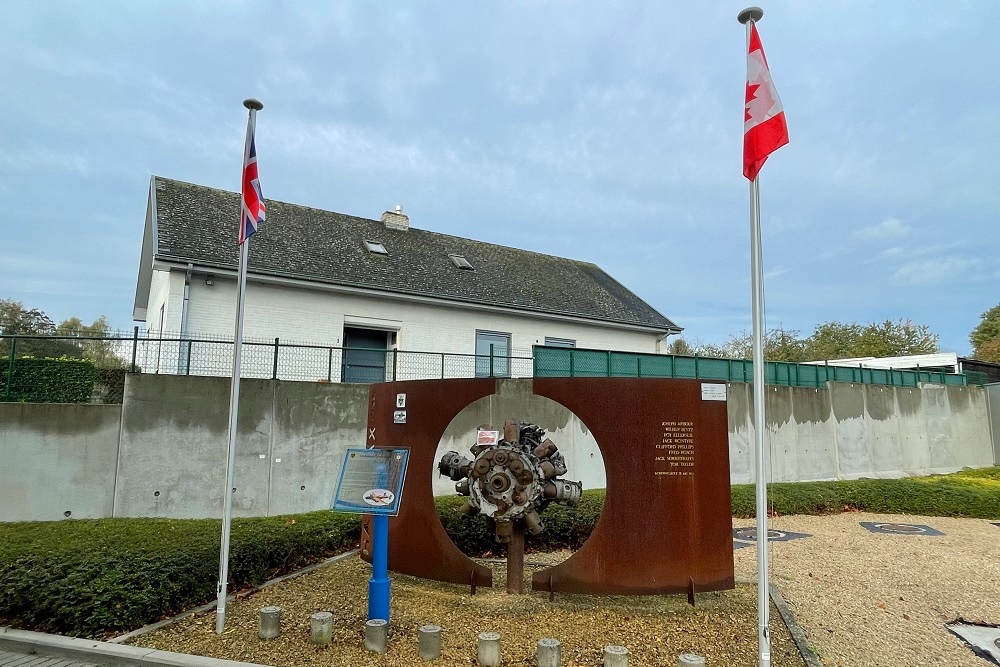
[[234, 405], [746, 17]]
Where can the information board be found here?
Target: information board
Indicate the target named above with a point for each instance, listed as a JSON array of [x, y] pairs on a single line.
[[371, 481]]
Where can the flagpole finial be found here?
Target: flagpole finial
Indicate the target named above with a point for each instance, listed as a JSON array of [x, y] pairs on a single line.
[[251, 103], [750, 14]]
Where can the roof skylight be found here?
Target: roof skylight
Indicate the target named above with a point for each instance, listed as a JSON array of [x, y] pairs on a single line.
[[461, 262], [376, 248]]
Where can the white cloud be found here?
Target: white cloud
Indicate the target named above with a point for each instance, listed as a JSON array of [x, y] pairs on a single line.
[[889, 228], [937, 270], [44, 160]]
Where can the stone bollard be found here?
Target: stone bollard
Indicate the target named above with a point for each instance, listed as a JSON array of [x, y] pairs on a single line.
[[430, 642], [615, 656], [376, 632], [321, 628], [489, 649], [270, 622], [690, 660], [549, 653]]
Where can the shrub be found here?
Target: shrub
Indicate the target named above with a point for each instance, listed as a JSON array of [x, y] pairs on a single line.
[[62, 380], [87, 578]]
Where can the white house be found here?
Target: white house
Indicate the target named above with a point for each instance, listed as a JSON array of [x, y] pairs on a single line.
[[346, 282]]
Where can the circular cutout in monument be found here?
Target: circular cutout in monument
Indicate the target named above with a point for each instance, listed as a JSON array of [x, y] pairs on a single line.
[[478, 472]]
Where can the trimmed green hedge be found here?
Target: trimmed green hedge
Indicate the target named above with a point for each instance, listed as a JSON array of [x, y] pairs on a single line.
[[63, 380], [89, 578], [968, 493]]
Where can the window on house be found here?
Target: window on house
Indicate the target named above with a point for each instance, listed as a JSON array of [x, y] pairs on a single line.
[[560, 342], [461, 262], [492, 354], [376, 248]]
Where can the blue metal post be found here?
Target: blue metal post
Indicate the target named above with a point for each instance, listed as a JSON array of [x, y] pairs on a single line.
[[378, 585]]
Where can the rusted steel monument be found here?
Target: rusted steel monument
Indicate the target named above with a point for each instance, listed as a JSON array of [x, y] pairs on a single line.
[[666, 525]]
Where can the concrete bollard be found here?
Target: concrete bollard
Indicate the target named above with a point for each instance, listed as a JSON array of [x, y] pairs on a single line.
[[270, 622], [376, 633], [430, 642], [321, 628], [690, 660], [549, 653], [489, 649], [615, 656]]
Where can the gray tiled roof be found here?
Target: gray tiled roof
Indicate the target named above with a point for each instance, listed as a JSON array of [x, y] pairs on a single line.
[[198, 224]]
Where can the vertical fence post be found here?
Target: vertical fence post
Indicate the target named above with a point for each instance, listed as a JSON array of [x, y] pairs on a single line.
[[329, 367], [696, 366], [395, 360], [274, 370], [572, 363], [135, 346], [10, 369], [609, 363], [187, 361], [491, 359], [442, 366]]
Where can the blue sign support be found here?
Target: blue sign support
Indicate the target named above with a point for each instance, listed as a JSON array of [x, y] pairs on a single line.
[[378, 585], [371, 482]]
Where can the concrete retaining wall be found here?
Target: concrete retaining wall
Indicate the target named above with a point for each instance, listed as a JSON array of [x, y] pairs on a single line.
[[58, 460], [291, 439], [163, 453]]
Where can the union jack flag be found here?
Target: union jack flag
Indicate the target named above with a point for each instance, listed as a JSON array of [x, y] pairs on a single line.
[[253, 208]]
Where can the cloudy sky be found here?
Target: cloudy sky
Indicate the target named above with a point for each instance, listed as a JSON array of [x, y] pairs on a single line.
[[608, 132]]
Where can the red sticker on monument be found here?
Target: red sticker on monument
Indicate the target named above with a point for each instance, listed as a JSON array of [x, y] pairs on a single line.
[[487, 437]]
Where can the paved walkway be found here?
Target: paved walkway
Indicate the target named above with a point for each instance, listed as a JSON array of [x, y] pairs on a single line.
[[11, 659]]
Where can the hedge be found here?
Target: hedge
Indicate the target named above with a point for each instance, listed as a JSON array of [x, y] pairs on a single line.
[[63, 380], [94, 577]]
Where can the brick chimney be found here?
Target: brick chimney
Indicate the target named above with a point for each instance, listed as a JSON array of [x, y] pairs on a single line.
[[396, 220]]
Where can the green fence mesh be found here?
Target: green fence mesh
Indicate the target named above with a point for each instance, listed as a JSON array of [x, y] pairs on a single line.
[[573, 362]]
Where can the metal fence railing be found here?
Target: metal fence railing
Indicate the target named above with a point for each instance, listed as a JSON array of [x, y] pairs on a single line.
[[574, 362], [174, 354], [138, 351]]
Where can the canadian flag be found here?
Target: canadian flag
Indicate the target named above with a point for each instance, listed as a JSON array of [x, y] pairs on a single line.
[[764, 129]]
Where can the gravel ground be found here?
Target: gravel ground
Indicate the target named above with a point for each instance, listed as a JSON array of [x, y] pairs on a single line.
[[862, 598], [871, 599]]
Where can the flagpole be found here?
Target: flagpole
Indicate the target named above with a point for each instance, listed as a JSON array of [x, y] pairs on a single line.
[[747, 17], [234, 406]]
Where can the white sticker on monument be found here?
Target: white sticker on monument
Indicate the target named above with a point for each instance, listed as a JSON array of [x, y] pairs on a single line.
[[263, 456], [400, 400], [713, 392], [399, 417]]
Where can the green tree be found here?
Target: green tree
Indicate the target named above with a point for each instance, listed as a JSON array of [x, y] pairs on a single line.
[[93, 344], [985, 338], [16, 320], [779, 345], [834, 340], [680, 346]]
